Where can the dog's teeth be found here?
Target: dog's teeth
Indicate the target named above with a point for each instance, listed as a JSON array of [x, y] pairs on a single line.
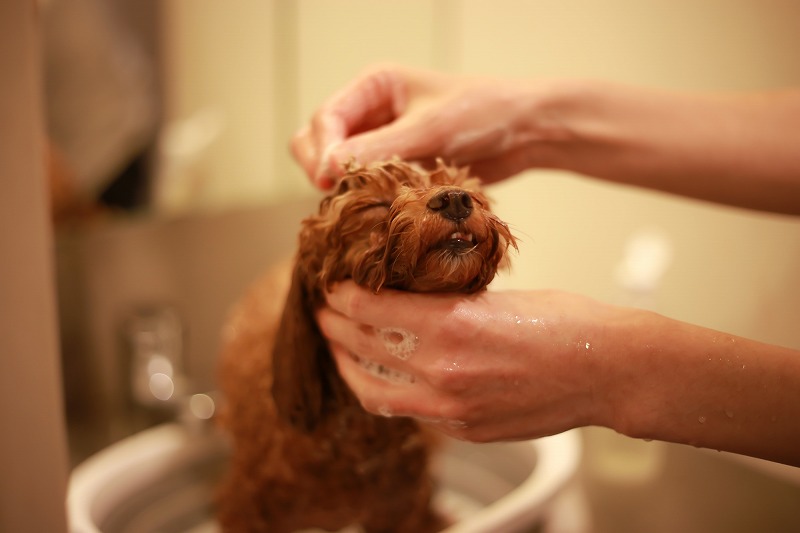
[[466, 237]]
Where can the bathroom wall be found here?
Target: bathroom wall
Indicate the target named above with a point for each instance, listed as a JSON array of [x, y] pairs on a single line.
[[218, 66], [248, 70], [33, 443]]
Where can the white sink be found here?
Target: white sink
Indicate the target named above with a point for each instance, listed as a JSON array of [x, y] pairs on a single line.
[[163, 479]]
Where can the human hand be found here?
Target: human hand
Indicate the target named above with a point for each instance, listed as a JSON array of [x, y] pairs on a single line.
[[483, 367], [420, 115]]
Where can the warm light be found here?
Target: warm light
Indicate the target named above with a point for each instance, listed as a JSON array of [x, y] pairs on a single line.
[[202, 406], [161, 386], [159, 364]]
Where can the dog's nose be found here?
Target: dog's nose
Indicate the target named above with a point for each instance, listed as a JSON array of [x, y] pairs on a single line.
[[452, 204]]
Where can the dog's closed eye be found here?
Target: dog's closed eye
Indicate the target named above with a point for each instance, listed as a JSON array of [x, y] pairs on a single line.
[[377, 205]]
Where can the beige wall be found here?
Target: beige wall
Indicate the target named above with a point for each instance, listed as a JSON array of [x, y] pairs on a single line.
[[218, 62], [33, 464], [261, 65]]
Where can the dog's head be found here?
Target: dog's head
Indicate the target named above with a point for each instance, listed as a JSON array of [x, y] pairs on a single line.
[[388, 225]]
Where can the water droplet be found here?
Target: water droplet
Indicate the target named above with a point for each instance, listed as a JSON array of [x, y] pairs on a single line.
[[702, 419], [588, 345]]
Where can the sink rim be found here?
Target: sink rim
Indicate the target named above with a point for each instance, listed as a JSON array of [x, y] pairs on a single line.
[[94, 488]]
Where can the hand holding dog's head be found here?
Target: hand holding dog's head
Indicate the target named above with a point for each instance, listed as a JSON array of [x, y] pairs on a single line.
[[389, 225]]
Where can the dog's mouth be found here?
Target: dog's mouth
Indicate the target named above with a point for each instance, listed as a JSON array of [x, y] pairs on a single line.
[[459, 241]]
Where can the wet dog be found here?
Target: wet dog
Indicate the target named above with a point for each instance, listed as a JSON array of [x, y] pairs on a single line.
[[305, 453]]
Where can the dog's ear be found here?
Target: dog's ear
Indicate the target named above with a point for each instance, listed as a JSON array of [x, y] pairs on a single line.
[[306, 386]]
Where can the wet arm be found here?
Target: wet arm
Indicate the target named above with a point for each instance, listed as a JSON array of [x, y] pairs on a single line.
[[682, 383], [737, 149]]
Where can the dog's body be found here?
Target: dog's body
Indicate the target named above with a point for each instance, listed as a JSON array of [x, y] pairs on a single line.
[[305, 453]]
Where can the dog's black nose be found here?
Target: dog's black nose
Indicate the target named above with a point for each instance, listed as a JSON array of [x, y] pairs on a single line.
[[452, 204]]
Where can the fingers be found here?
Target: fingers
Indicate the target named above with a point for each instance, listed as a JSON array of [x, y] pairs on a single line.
[[396, 366], [380, 389], [390, 329], [419, 115], [389, 308], [386, 392], [377, 363], [411, 137], [369, 102], [389, 111], [384, 353], [324, 156]]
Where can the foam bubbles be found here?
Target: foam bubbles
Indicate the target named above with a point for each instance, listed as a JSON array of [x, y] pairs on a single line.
[[399, 342], [382, 371]]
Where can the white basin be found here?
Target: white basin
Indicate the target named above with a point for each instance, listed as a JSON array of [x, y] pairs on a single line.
[[163, 479]]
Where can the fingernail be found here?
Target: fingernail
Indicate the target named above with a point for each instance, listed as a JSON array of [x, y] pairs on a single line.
[[327, 165]]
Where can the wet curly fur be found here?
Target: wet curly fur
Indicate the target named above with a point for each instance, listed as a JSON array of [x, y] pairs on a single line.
[[305, 453]]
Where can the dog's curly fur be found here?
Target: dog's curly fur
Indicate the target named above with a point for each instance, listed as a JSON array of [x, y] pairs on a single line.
[[305, 453]]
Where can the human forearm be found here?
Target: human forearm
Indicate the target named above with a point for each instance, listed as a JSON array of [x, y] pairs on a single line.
[[682, 383], [512, 365], [740, 150]]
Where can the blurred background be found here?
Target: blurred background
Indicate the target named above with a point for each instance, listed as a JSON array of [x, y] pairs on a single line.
[[168, 124]]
